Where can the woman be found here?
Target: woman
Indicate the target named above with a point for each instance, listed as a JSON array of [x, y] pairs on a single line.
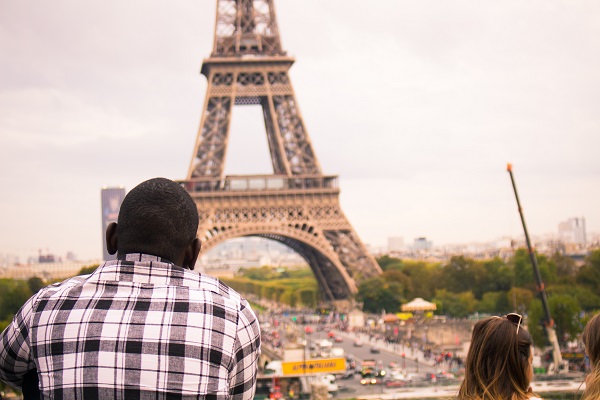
[[498, 364], [591, 341]]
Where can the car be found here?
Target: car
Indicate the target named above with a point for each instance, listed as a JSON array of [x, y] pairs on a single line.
[[369, 380], [375, 350], [373, 378], [395, 383], [440, 376], [349, 374], [338, 339], [357, 343]]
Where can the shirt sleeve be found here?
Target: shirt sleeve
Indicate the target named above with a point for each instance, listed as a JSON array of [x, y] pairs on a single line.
[[15, 350], [242, 378]]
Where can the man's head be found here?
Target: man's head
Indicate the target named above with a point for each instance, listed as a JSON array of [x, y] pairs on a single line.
[[157, 217]]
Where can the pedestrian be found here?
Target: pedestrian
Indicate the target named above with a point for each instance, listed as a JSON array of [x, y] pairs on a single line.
[[499, 361], [142, 326], [591, 341]]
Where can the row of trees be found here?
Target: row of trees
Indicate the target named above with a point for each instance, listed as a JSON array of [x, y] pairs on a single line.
[[464, 286], [484, 286], [14, 293], [295, 288], [459, 287]]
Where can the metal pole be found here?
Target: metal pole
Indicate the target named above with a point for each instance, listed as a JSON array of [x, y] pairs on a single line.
[[304, 355], [536, 270], [549, 323]]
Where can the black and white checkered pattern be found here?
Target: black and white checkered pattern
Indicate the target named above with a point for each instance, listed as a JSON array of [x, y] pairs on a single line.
[[137, 328]]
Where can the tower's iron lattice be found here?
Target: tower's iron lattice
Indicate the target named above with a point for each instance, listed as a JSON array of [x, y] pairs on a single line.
[[297, 205]]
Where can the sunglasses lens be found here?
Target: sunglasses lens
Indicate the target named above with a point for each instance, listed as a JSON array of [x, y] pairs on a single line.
[[514, 318]]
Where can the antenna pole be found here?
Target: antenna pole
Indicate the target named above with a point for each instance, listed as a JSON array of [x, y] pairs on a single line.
[[549, 322]]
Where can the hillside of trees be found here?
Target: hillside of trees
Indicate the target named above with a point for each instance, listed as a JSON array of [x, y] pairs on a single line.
[[459, 287], [464, 286]]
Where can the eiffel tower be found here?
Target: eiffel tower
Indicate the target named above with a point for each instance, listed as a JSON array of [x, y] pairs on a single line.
[[297, 205]]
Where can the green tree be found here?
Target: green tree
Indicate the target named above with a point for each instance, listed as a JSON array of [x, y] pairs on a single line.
[[376, 294], [459, 274], [308, 297], [498, 277], [519, 300], [589, 273], [400, 280], [259, 274], [566, 270], [288, 297], [425, 278], [88, 270], [588, 300], [564, 310], [13, 294], [35, 283], [458, 305], [523, 270], [388, 263], [491, 302]]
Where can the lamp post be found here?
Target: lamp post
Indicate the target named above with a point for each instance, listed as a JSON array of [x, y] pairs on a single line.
[[307, 332], [443, 330], [304, 355]]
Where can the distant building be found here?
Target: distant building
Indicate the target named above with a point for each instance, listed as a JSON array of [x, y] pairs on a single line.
[[46, 258], [573, 231], [422, 244], [47, 270], [111, 204], [395, 244]]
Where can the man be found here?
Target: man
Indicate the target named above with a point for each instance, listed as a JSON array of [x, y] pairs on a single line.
[[142, 326]]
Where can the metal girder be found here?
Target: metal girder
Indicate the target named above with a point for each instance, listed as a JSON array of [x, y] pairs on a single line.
[[246, 27], [289, 143], [297, 205]]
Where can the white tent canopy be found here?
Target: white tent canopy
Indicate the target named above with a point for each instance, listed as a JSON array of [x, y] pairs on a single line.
[[419, 304]]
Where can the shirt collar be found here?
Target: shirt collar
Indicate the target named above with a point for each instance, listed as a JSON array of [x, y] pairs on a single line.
[[143, 268], [143, 258]]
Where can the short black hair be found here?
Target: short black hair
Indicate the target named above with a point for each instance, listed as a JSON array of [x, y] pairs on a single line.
[[157, 217]]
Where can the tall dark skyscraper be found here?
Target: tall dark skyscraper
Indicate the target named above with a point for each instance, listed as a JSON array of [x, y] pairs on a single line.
[[111, 204]]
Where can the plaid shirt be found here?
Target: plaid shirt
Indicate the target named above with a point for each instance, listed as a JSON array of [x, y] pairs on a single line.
[[137, 328]]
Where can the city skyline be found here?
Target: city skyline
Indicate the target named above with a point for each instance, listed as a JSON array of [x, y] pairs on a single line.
[[425, 105]]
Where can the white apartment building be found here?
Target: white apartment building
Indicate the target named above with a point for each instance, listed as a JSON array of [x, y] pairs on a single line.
[[396, 244], [573, 231]]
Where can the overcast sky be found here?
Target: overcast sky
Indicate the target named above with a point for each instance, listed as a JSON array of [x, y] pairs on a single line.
[[418, 106]]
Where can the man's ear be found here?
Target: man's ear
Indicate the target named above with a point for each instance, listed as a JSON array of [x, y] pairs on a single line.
[[191, 254], [111, 238]]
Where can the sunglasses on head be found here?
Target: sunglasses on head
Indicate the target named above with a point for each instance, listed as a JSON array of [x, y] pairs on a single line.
[[515, 319]]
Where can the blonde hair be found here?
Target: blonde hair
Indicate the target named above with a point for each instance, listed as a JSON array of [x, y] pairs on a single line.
[[591, 341], [497, 363]]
